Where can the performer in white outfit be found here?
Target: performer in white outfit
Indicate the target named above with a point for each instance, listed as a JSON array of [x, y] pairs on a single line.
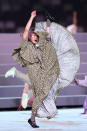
[[83, 83]]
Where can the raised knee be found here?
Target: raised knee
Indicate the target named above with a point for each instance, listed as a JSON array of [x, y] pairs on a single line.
[[26, 87]]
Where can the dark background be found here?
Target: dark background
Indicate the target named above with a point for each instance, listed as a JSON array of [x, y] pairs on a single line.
[[14, 14]]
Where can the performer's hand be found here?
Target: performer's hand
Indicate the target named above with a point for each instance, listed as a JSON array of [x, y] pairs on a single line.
[[47, 30], [33, 14], [76, 81]]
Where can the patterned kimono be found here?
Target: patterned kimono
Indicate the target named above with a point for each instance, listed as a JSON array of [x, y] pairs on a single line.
[[68, 56], [41, 64]]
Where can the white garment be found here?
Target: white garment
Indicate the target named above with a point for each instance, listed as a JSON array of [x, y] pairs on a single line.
[[69, 61], [67, 52], [83, 82], [72, 28]]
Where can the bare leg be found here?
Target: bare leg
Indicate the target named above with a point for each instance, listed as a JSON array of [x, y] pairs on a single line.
[[22, 76]]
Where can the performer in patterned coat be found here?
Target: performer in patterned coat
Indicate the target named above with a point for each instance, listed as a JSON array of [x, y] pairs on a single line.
[[40, 59], [68, 57]]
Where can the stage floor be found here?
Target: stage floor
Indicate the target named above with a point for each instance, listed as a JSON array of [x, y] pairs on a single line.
[[65, 120]]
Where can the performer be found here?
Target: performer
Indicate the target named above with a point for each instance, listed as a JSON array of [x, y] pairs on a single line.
[[27, 95], [74, 27], [84, 84], [69, 60], [39, 57]]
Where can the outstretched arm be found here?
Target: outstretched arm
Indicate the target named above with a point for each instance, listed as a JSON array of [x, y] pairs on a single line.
[[81, 82], [25, 34], [75, 18]]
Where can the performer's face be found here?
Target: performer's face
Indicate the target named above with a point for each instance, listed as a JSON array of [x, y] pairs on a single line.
[[34, 38]]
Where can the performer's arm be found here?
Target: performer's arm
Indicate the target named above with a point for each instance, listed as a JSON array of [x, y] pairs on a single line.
[[75, 18], [48, 25], [81, 82], [47, 30], [25, 34]]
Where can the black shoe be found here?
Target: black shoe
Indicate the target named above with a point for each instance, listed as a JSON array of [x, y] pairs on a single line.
[[33, 124]]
